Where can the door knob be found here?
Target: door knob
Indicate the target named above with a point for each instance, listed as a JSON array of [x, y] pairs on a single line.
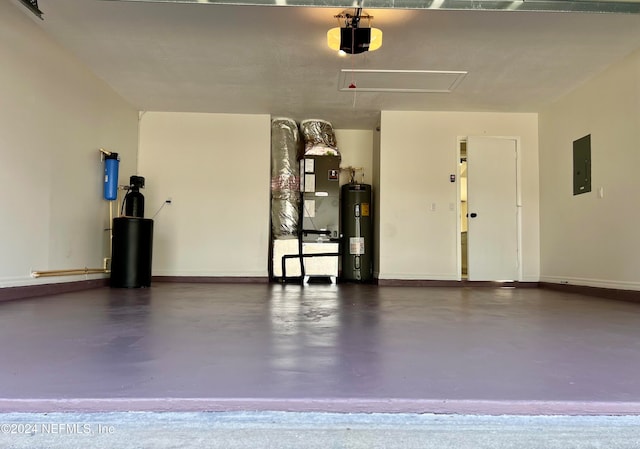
[[473, 215]]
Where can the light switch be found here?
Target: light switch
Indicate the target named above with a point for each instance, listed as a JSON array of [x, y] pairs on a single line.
[[433, 207]]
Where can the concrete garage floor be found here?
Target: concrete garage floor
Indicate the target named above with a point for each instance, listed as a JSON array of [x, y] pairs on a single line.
[[263, 366], [344, 348]]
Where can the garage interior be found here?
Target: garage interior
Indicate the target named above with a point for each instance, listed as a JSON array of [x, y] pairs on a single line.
[[186, 93]]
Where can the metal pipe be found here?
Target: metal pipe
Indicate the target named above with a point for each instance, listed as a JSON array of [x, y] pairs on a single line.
[[302, 256], [69, 272], [107, 260]]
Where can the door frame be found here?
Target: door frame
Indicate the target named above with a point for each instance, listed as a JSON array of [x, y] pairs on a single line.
[[461, 139]]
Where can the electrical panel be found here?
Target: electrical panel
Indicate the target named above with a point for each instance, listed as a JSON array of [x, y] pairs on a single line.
[[582, 165]]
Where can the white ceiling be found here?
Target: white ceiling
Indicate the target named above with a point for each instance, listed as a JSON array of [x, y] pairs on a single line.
[[274, 60]]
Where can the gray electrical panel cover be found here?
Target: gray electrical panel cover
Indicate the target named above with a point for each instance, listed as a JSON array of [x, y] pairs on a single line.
[[582, 165]]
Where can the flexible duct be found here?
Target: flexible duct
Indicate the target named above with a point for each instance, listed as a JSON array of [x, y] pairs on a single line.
[[285, 178], [319, 138]]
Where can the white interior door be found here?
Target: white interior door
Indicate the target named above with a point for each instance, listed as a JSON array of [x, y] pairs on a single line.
[[492, 209]]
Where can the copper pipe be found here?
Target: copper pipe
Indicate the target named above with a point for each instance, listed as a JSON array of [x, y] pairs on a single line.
[[70, 272]]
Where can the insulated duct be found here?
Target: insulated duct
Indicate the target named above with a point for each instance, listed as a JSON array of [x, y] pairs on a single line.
[[319, 138], [285, 178]]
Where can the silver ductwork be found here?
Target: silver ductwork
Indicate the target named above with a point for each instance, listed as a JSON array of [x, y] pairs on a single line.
[[319, 138], [285, 178]]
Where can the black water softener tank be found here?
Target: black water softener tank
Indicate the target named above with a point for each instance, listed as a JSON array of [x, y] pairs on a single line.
[[134, 200], [132, 241], [357, 232], [132, 244]]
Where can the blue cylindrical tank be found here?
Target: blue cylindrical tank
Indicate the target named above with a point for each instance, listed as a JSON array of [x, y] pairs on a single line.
[[111, 163]]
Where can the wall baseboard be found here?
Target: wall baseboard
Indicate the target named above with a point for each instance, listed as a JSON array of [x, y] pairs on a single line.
[[213, 279], [600, 292], [437, 283], [419, 277], [591, 282], [31, 291]]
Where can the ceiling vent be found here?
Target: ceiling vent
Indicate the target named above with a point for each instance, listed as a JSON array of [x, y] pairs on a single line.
[[416, 81]]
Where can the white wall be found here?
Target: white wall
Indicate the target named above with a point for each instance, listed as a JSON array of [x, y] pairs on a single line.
[[54, 116], [356, 150], [586, 240], [216, 170], [418, 152]]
